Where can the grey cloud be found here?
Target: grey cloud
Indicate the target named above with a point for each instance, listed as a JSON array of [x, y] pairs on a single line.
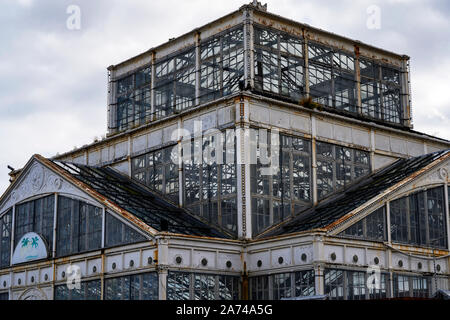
[[53, 84]]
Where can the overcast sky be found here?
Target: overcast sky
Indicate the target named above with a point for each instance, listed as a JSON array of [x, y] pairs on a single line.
[[53, 79]]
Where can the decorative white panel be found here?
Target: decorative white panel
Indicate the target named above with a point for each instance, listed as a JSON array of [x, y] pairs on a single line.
[[61, 272], [184, 254], [436, 176], [19, 279], [121, 150], [5, 282], [398, 146], [324, 129], [264, 257], [361, 137], [337, 250], [106, 154], [281, 255], [168, 132], [209, 120], [32, 277], [307, 251], [110, 260], [380, 161], [122, 167], [39, 180], [381, 255], [398, 258], [82, 266], [94, 266], [139, 143], [146, 254], [94, 157], [278, 118], [225, 115], [382, 142], [46, 272], [415, 149], [131, 256], [342, 133], [414, 265], [442, 263], [357, 253], [155, 138], [81, 159], [300, 123], [208, 255], [234, 259]]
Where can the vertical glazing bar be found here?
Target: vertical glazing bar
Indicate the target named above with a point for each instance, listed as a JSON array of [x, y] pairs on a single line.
[[55, 225], [248, 40], [251, 52], [197, 67], [270, 285], [358, 81], [162, 269], [243, 170], [129, 155], [112, 102], [152, 92], [314, 159], [180, 165], [372, 149], [388, 221], [280, 82], [103, 226], [405, 93], [380, 94], [306, 68], [447, 210], [102, 279], [109, 101], [389, 251], [13, 235]]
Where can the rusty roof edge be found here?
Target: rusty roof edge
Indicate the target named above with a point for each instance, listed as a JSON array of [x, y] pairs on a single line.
[[333, 226], [164, 234], [412, 251], [312, 232], [102, 199], [335, 35], [17, 180]]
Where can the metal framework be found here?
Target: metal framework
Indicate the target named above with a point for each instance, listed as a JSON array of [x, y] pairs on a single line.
[[5, 235], [197, 286], [140, 201], [351, 285], [420, 219], [283, 65], [373, 227], [339, 166], [283, 285], [287, 190], [344, 202]]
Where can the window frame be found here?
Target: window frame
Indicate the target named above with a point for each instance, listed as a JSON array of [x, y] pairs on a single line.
[[214, 293], [264, 197]]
